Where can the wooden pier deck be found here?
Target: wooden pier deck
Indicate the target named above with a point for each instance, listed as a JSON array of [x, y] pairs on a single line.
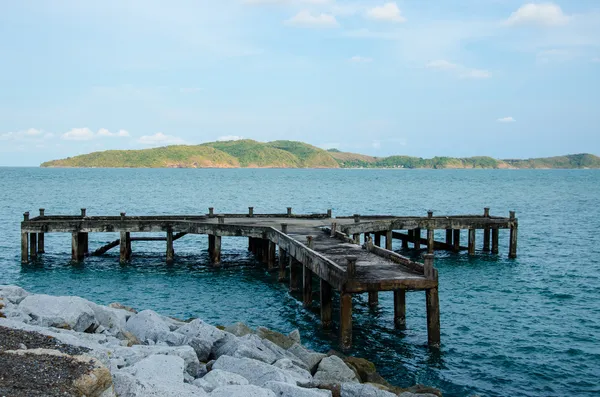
[[300, 248]]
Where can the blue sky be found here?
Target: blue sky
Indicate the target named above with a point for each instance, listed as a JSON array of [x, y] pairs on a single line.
[[501, 78]]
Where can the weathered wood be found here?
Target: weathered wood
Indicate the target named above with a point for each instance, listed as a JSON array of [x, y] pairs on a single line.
[[400, 308], [24, 247], [378, 239], [77, 247], [437, 245], [388, 240], [282, 264], [214, 249], [456, 240], [428, 269], [495, 233], [170, 249], [512, 249], [486, 240], [295, 274], [306, 286], [32, 246], [472, 241], [449, 237], [250, 211], [125, 247], [433, 317], [373, 298], [430, 241], [345, 320], [351, 266], [399, 259], [102, 250], [417, 239], [356, 238], [405, 240], [326, 294], [41, 245], [271, 255]]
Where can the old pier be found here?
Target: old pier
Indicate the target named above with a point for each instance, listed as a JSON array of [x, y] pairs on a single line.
[[347, 254]]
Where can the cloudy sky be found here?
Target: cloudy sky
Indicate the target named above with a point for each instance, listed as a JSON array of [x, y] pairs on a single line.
[[503, 78]]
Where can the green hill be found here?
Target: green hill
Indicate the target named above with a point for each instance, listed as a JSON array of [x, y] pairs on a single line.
[[292, 154]]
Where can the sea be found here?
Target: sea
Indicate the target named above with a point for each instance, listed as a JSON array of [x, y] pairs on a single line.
[[528, 326]]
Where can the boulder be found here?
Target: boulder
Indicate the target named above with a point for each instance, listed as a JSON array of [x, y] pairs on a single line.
[[310, 358], [241, 391], [113, 320], [239, 329], [158, 368], [248, 346], [68, 312], [281, 353], [148, 325], [117, 305], [130, 356], [217, 378], [202, 337], [302, 376], [421, 390], [257, 372], [363, 390], [365, 370], [13, 294], [286, 390], [294, 335], [279, 339], [333, 370]]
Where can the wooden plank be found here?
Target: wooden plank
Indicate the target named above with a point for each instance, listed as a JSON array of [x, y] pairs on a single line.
[[106, 248], [405, 262], [438, 245]]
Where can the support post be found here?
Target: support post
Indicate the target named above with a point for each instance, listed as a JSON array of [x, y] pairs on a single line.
[[417, 238], [388, 240], [77, 246], [433, 317], [306, 286], [378, 239], [512, 249], [271, 252], [170, 250], [495, 241], [405, 241], [250, 212], [456, 240], [24, 247], [41, 246], [345, 320], [83, 212], [214, 248], [449, 237], [33, 246], [430, 241], [356, 238], [326, 304], [351, 265], [373, 298], [400, 308], [294, 274], [211, 211], [125, 247], [86, 244], [472, 241], [289, 211], [486, 232], [329, 213]]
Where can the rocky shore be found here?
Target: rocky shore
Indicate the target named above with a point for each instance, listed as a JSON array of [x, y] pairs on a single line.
[[68, 346]]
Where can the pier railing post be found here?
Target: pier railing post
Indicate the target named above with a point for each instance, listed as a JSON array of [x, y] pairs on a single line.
[[486, 232], [512, 250], [325, 291], [211, 211], [472, 241], [289, 211], [83, 212], [250, 212], [329, 213], [346, 320], [400, 308]]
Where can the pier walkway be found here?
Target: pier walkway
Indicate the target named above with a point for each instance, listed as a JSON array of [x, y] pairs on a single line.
[[347, 255]]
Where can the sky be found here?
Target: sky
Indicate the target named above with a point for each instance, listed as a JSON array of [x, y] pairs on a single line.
[[502, 78]]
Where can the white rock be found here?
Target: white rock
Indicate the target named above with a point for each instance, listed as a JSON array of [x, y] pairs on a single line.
[[173, 323], [202, 337], [333, 370], [58, 311], [127, 385], [136, 353], [241, 391], [148, 325], [287, 390], [362, 390], [217, 378], [158, 369], [295, 335], [310, 358], [302, 376], [257, 372], [239, 329], [248, 346], [282, 353], [113, 320], [12, 293]]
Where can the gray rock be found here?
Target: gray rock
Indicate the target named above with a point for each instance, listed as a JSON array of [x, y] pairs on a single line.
[[217, 378], [202, 337], [362, 390], [257, 372], [302, 376], [332, 369], [295, 336], [130, 356], [287, 390], [69, 312], [310, 358], [282, 353], [248, 346], [241, 391], [278, 338], [239, 329], [113, 320], [158, 369], [409, 394], [148, 326], [12, 293], [127, 385], [173, 323]]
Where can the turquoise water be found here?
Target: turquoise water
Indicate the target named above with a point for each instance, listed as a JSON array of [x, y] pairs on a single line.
[[524, 327]]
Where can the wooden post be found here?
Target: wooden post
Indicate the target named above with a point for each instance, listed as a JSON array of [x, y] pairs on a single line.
[[378, 239], [351, 265], [306, 286], [282, 256], [294, 273], [214, 248], [251, 244], [345, 320], [77, 246], [388, 240], [356, 218], [366, 237], [486, 232], [329, 213], [433, 317], [326, 306], [417, 238], [456, 240], [472, 241], [405, 241], [449, 237], [211, 211], [495, 240], [83, 212], [373, 298], [430, 241], [333, 229], [33, 246], [289, 211], [24, 247], [170, 250], [356, 238], [125, 247], [41, 247], [250, 212], [400, 308], [86, 244], [271, 255], [512, 250]]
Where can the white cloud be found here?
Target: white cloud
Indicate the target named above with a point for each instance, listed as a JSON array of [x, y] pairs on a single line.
[[159, 139], [542, 14], [28, 134], [229, 138], [86, 134], [508, 119], [387, 12], [360, 59], [459, 70], [306, 19]]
